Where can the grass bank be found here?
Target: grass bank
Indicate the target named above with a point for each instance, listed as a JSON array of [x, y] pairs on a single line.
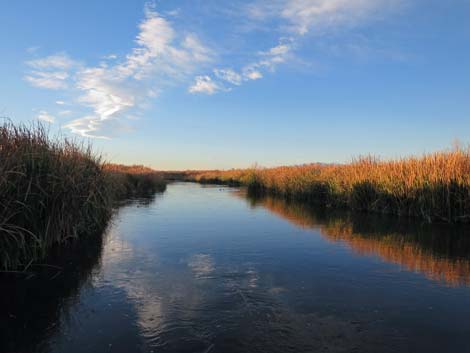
[[433, 187], [134, 181], [55, 190]]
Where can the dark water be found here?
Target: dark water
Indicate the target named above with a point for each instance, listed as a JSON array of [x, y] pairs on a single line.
[[206, 269]]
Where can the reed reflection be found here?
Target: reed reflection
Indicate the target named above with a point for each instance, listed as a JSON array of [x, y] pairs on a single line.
[[439, 252], [33, 302], [36, 300]]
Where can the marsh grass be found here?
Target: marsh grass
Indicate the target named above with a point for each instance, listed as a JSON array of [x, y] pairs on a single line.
[[134, 181], [54, 190], [434, 187]]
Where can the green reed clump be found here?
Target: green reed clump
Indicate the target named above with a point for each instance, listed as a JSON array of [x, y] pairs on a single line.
[[53, 190]]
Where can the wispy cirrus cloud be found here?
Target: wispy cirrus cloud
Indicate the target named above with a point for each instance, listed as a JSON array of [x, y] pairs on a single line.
[[229, 75], [112, 92], [65, 112], [51, 72], [204, 84], [48, 79], [59, 61], [266, 61], [295, 19], [303, 16], [103, 98]]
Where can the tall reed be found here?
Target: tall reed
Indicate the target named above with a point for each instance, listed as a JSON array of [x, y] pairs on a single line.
[[134, 180], [53, 190], [435, 187]]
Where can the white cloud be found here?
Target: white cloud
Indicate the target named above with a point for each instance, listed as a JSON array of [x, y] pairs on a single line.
[[268, 61], [274, 56], [198, 51], [45, 116], [303, 16], [51, 72], [229, 75], [116, 92], [104, 93], [119, 88], [46, 79], [65, 112], [161, 52], [204, 84], [60, 61], [294, 19], [110, 57], [113, 91], [306, 15], [87, 127], [252, 74], [278, 50]]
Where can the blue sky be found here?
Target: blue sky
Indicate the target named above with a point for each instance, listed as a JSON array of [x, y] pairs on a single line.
[[221, 84]]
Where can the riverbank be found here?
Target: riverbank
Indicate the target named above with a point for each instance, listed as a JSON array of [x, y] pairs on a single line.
[[55, 190], [434, 187]]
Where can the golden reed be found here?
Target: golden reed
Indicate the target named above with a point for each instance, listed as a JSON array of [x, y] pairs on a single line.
[[435, 187]]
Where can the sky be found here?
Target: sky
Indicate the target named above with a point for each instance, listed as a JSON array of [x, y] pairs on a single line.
[[203, 84]]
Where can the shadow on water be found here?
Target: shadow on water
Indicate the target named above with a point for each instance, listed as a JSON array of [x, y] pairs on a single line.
[[144, 200], [34, 301], [440, 252]]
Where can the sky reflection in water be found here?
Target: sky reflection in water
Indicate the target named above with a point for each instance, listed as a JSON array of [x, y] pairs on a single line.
[[206, 269]]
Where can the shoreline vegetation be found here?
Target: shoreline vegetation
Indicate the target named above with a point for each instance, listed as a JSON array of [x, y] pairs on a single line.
[[54, 191], [434, 187], [419, 247]]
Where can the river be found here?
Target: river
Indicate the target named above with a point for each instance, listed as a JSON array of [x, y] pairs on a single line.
[[210, 269]]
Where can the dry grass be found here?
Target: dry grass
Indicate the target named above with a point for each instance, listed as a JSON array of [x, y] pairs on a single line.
[[135, 180], [129, 169], [53, 190], [435, 187]]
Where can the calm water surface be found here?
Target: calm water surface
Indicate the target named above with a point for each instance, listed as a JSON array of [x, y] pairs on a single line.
[[207, 269]]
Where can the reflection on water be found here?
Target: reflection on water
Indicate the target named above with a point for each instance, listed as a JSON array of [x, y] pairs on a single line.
[[440, 252], [199, 270], [35, 302]]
